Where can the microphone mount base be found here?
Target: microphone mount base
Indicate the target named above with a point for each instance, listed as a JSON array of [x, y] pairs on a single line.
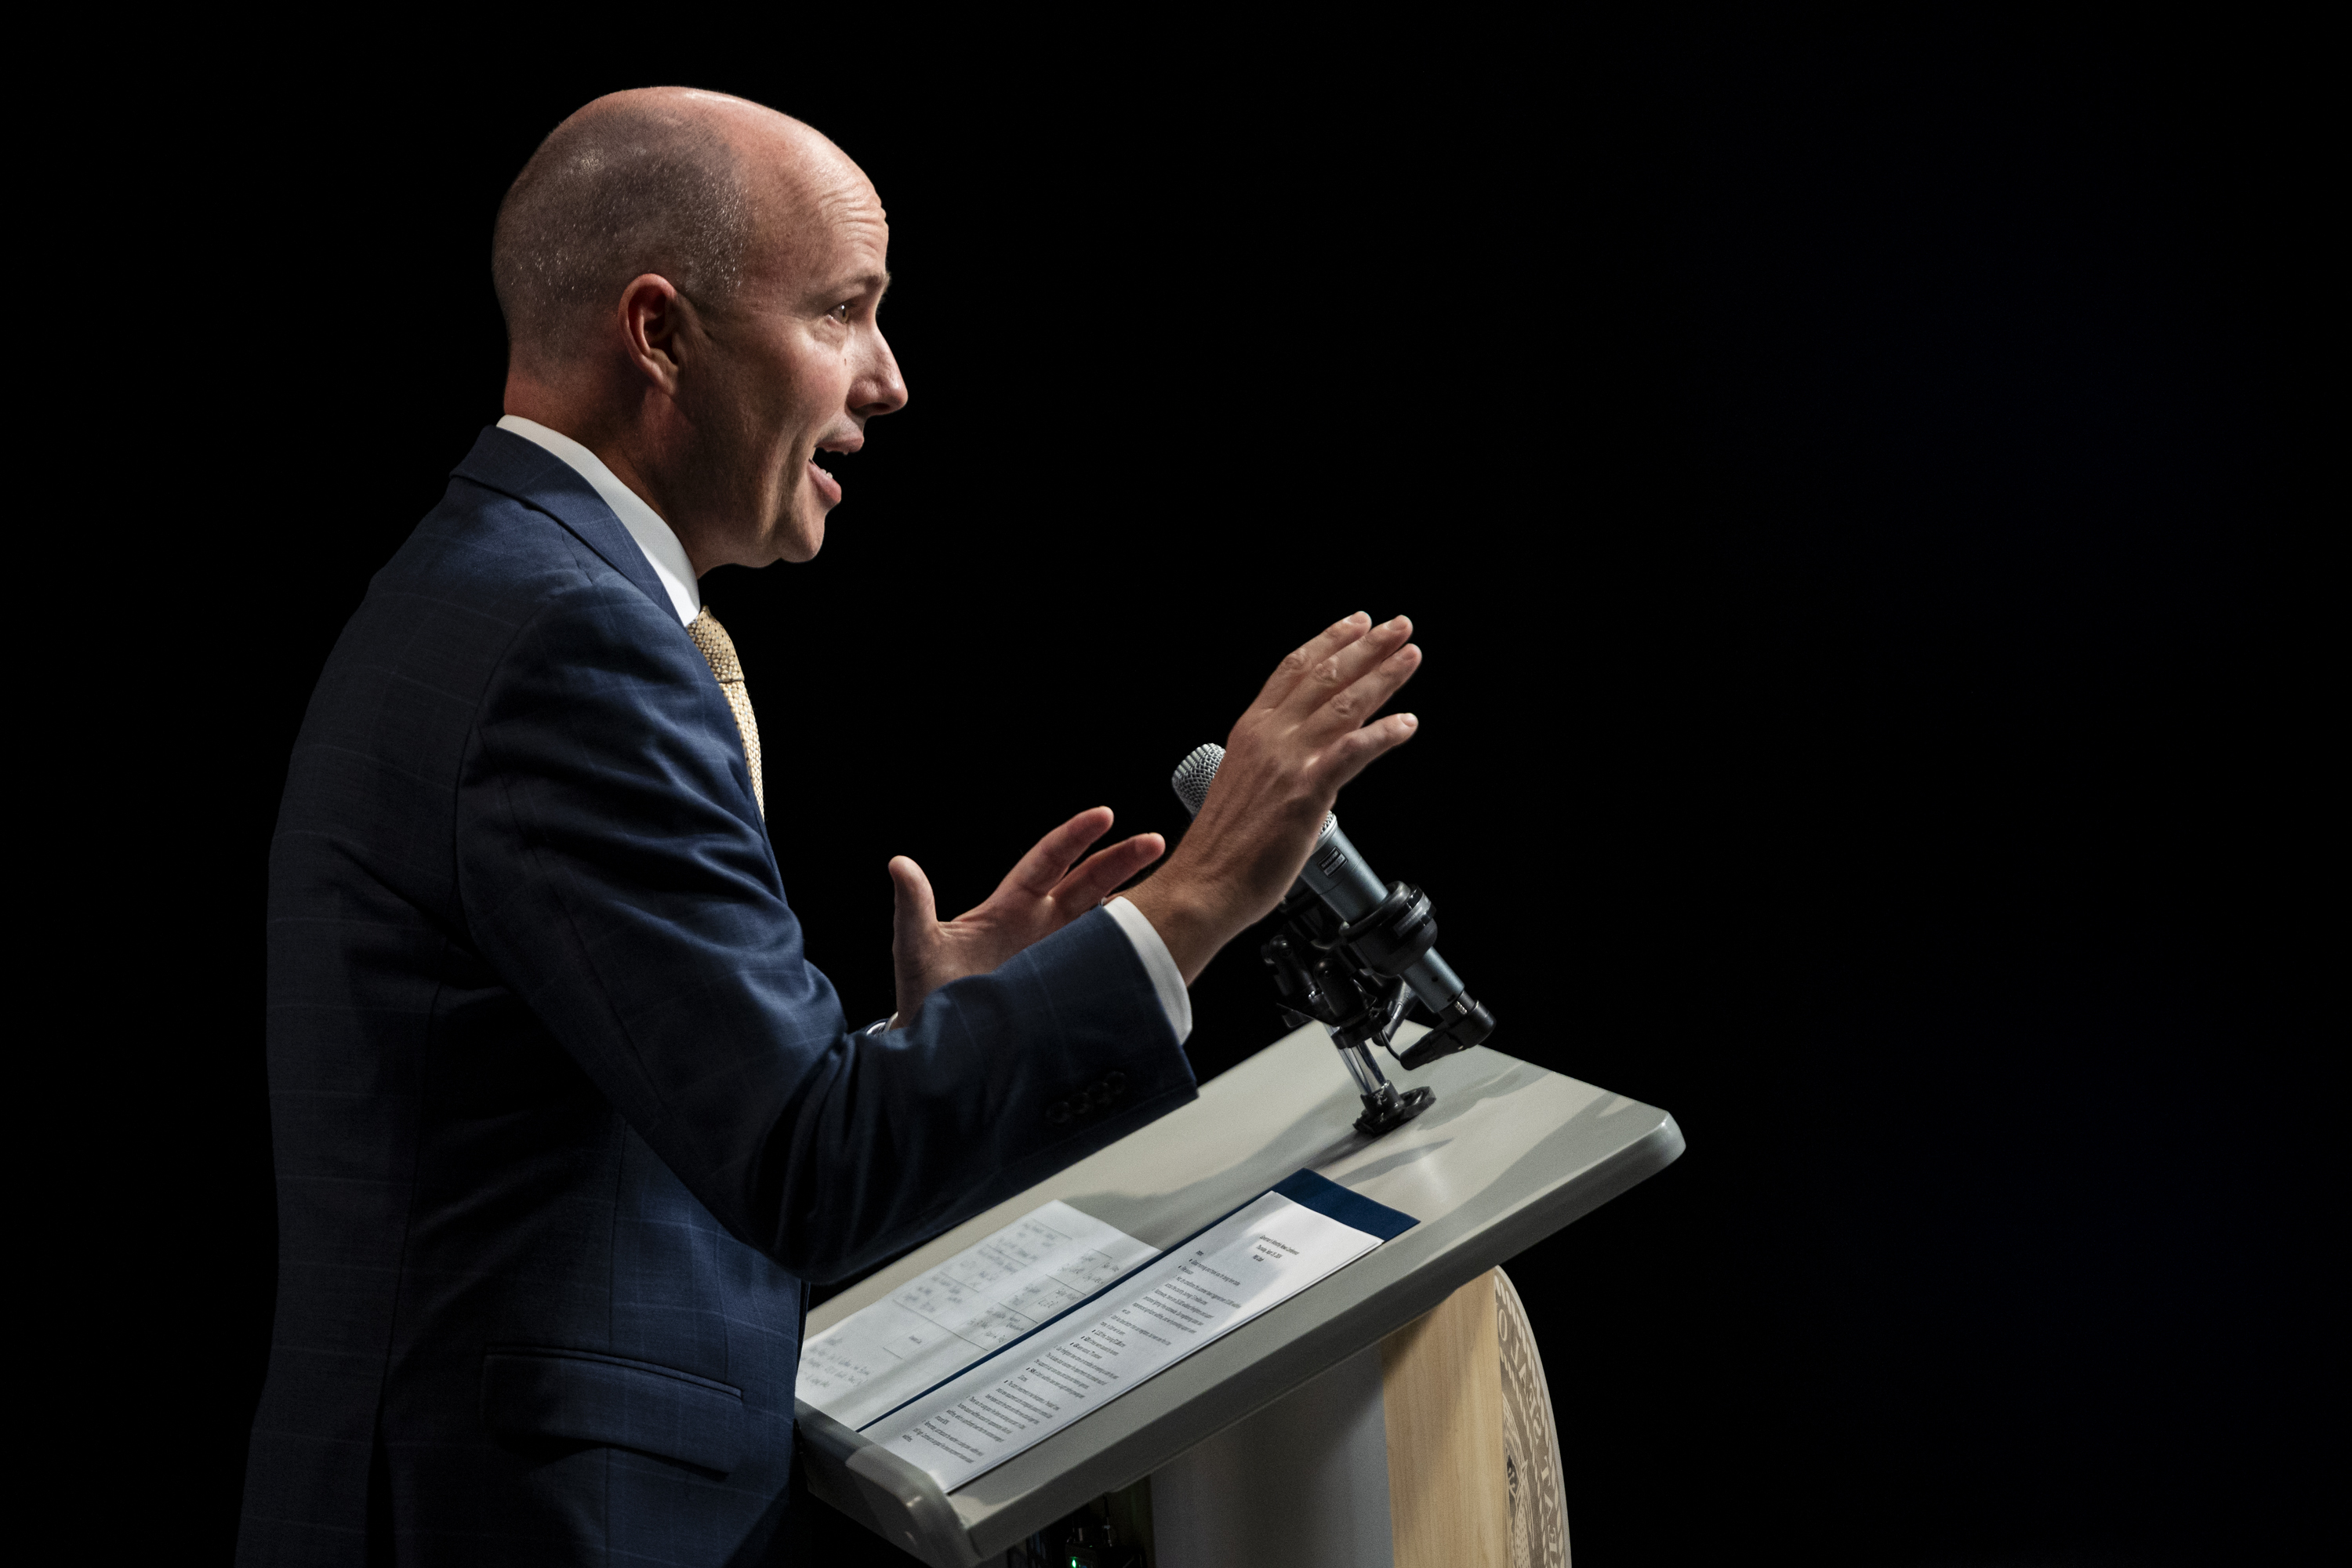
[[1327, 974], [1387, 1111]]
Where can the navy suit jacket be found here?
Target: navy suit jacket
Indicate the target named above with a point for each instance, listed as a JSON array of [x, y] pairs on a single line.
[[562, 1117]]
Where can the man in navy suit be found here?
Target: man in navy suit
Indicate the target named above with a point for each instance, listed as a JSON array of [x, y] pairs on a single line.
[[564, 1119]]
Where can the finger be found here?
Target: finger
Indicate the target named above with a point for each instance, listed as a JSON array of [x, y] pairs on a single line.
[[914, 912], [1348, 665], [1356, 750], [1035, 873], [1095, 878], [1310, 653], [1365, 697]]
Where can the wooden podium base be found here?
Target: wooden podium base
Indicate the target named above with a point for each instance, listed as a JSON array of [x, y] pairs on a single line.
[[1435, 1449]]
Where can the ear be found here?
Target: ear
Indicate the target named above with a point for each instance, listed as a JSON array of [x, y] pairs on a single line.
[[653, 318]]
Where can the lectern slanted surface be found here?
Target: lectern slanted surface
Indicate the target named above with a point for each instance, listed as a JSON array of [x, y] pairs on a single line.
[[1509, 1154]]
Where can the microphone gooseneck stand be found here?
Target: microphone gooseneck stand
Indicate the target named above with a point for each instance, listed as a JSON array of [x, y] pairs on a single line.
[[1348, 976]]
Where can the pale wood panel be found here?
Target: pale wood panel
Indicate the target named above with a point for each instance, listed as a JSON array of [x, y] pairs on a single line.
[[1442, 1387]]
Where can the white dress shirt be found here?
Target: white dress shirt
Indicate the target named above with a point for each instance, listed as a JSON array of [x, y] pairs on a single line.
[[664, 553], [668, 558]]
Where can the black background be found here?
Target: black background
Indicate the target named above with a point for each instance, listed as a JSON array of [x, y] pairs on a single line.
[[1845, 482]]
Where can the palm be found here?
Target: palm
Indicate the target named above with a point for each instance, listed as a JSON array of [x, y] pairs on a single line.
[[1046, 891]]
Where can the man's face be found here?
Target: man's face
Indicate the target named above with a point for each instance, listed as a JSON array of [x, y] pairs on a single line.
[[793, 367]]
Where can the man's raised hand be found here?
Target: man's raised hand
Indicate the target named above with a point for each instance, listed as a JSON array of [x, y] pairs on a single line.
[[1304, 736], [1042, 893]]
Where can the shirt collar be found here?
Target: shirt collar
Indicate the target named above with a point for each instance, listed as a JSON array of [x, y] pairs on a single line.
[[664, 553]]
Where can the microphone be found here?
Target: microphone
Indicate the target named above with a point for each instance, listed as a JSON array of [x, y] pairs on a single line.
[[1337, 873]]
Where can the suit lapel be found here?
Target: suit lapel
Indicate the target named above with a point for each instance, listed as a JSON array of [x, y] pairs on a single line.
[[531, 474]]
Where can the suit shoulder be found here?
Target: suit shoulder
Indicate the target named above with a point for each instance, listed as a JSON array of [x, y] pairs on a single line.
[[458, 599], [488, 549]]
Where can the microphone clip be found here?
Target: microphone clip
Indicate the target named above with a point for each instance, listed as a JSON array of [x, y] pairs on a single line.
[[1348, 977]]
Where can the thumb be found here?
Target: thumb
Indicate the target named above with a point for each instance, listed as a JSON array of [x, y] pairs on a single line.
[[916, 911]]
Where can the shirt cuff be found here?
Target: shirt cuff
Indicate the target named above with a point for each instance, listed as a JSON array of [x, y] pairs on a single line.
[[1167, 980]]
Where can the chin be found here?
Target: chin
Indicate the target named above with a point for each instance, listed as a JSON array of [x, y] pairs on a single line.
[[798, 541]]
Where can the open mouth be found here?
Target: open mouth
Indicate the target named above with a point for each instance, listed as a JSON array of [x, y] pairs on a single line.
[[839, 443], [826, 485]]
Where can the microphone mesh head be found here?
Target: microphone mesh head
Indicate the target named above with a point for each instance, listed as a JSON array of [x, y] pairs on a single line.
[[1191, 780], [1191, 777]]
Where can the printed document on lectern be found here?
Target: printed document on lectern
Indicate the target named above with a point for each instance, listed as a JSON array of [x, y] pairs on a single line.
[[984, 1298], [1253, 1261]]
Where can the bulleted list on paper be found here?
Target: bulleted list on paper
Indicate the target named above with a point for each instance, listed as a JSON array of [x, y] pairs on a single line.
[[1249, 1262], [984, 1297]]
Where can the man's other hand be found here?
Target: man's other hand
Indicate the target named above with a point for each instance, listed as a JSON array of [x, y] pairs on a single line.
[[1304, 737], [1040, 896]]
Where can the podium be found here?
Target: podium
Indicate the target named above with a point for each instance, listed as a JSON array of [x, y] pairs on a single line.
[[1507, 1155]]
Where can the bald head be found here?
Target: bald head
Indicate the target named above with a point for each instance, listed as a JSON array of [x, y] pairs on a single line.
[[663, 180], [691, 285]]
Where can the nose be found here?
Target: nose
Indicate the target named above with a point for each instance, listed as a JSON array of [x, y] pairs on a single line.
[[880, 388]]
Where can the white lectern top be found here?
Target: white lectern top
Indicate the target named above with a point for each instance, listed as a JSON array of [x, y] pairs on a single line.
[[1508, 1154]]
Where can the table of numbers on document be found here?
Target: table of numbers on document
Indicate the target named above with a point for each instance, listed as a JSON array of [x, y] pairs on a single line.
[[986, 1297]]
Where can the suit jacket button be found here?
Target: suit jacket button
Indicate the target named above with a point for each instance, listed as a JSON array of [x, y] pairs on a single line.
[[1116, 1084], [1058, 1112]]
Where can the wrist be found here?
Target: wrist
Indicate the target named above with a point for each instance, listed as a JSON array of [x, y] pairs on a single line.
[[1192, 926]]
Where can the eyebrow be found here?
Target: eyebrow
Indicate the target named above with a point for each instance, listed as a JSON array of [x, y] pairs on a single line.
[[878, 282]]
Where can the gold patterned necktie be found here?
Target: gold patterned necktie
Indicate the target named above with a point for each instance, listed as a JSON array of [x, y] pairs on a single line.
[[718, 648]]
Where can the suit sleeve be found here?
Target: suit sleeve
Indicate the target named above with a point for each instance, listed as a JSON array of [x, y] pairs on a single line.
[[614, 871]]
